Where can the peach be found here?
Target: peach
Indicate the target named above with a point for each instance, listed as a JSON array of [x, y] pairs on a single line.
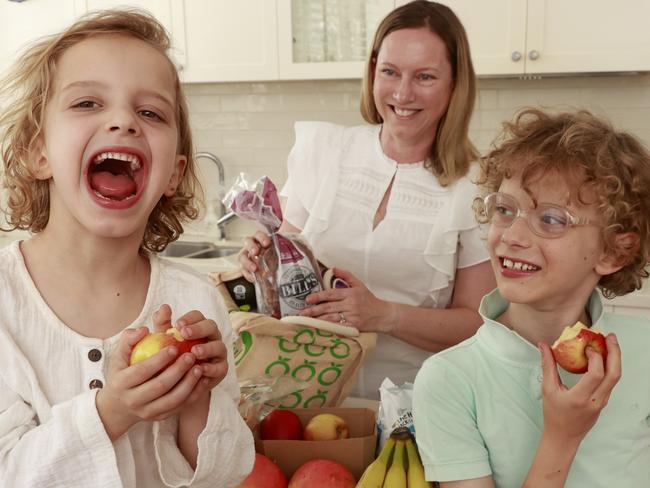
[[569, 349], [152, 343], [326, 427], [265, 474], [322, 473]]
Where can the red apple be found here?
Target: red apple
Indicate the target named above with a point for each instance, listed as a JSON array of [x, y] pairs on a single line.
[[265, 474], [322, 473], [569, 349], [326, 427], [152, 343], [281, 424]]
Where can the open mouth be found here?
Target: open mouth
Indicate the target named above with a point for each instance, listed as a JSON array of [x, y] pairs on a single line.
[[115, 176]]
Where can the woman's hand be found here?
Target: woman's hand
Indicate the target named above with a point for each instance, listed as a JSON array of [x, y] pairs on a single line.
[[252, 246], [570, 413], [355, 306]]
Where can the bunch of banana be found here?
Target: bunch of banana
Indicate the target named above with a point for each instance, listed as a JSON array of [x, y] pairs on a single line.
[[394, 468], [375, 473]]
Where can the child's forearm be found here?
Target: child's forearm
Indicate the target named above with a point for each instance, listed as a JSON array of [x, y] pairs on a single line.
[[191, 422], [552, 462]]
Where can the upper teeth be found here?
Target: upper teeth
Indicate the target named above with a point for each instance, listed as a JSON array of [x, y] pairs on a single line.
[[404, 112], [135, 162], [508, 263]]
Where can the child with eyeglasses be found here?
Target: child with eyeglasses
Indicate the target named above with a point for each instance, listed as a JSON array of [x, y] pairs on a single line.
[[568, 207]]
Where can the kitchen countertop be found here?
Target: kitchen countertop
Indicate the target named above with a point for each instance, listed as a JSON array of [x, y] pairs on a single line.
[[208, 265]]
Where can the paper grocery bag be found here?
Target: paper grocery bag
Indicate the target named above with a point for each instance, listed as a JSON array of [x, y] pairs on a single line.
[[327, 362], [323, 363]]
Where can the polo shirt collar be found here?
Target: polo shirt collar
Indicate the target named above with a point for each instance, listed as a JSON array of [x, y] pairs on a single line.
[[506, 342]]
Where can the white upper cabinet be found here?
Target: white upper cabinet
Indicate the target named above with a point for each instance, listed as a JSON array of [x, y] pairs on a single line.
[[517, 37], [260, 40], [588, 36], [214, 40], [23, 22], [320, 39], [228, 40]]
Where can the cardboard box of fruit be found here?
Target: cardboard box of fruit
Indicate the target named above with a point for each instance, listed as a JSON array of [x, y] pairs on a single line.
[[355, 452]]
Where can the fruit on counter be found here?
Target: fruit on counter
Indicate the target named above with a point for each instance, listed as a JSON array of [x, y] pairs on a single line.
[[415, 473], [281, 424], [154, 342], [322, 473], [375, 473], [569, 349], [265, 474], [326, 427], [396, 474]]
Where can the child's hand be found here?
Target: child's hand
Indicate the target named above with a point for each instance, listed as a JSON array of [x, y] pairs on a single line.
[[213, 354], [151, 390], [570, 414]]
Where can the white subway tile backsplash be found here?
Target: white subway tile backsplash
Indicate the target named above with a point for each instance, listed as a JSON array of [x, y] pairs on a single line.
[[250, 125]]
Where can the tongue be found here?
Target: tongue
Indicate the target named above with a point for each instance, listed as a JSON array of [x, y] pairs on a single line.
[[112, 186]]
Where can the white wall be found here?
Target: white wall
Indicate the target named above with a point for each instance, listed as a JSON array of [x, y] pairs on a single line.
[[250, 125]]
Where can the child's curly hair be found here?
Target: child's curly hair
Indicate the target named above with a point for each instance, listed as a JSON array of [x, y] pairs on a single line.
[[596, 160], [30, 88]]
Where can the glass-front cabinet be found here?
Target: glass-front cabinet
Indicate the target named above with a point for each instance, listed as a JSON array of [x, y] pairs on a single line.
[[320, 39]]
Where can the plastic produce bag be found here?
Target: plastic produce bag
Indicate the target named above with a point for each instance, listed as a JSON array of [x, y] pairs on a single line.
[[287, 269], [395, 409]]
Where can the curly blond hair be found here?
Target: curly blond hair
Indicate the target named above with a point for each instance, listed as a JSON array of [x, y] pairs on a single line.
[[596, 160], [29, 85]]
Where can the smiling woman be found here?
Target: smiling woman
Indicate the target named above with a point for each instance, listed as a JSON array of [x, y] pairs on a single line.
[[389, 204]]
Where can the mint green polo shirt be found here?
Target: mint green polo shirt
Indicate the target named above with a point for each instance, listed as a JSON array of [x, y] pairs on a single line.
[[477, 407]]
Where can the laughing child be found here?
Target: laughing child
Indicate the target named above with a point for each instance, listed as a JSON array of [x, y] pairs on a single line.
[[98, 166], [568, 207]]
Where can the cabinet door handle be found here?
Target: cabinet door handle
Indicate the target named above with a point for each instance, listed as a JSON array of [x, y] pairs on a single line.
[[515, 56], [533, 55]]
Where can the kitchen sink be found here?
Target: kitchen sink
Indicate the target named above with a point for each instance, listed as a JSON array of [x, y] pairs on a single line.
[[198, 250]]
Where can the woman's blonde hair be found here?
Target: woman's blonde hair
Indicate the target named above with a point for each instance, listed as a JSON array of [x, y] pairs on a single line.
[[598, 163], [452, 151], [29, 86]]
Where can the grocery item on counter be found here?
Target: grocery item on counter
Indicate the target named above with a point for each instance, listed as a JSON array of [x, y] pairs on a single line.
[[398, 464], [265, 474], [323, 473], [287, 269], [395, 409]]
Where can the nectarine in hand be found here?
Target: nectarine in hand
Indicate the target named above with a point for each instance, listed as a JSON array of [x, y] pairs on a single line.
[[569, 349], [152, 343]]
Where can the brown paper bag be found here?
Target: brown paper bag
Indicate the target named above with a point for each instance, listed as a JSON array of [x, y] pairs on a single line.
[[327, 362]]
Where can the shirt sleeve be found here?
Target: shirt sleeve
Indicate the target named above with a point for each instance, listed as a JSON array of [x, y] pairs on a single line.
[[226, 449], [444, 415], [70, 449], [472, 248], [313, 168]]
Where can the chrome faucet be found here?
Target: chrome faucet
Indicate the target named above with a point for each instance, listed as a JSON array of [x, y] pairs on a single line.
[[224, 216]]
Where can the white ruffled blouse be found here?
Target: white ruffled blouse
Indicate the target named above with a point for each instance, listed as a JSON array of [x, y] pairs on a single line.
[[337, 179]]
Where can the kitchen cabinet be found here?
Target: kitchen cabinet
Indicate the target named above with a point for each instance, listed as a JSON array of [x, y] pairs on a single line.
[[533, 37], [320, 39], [228, 41], [212, 40], [24, 22]]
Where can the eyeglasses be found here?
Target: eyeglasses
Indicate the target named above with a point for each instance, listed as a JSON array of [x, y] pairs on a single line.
[[545, 220]]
